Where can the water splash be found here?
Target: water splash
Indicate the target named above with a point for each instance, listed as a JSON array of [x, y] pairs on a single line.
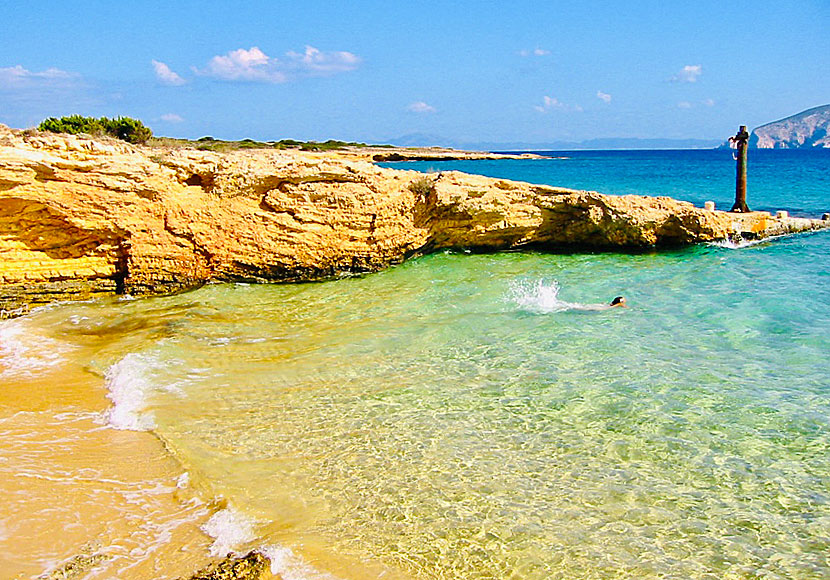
[[542, 296], [129, 387], [289, 566], [230, 529]]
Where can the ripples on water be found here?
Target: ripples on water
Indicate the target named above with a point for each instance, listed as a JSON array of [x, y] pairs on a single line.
[[456, 417], [465, 416]]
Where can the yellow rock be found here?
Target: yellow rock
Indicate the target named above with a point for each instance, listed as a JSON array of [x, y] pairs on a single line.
[[156, 220]]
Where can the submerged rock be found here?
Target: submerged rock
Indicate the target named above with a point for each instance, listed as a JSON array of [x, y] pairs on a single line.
[[81, 217], [253, 566]]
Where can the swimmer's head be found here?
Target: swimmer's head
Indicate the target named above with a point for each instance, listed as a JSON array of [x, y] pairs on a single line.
[[618, 301]]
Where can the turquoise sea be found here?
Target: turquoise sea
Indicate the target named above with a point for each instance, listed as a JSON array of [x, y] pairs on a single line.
[[463, 416]]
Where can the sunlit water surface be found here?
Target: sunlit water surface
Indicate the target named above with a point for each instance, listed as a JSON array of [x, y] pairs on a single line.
[[469, 416], [460, 416]]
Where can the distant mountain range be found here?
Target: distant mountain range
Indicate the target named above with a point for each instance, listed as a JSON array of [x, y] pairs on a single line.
[[807, 129], [425, 140], [804, 130]]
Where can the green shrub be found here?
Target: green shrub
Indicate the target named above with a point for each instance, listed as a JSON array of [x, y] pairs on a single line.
[[423, 186], [124, 128]]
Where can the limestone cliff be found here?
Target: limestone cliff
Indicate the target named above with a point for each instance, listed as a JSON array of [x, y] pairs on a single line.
[[80, 217], [804, 130]]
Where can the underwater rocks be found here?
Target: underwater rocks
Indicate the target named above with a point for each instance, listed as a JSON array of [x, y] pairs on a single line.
[[83, 217], [253, 566]]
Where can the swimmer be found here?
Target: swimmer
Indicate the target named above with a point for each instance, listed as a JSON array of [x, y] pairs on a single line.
[[618, 301]]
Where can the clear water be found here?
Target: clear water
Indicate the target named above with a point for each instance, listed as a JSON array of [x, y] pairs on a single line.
[[462, 416]]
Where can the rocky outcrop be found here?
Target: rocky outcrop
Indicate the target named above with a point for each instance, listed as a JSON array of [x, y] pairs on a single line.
[[253, 566], [805, 130], [81, 217]]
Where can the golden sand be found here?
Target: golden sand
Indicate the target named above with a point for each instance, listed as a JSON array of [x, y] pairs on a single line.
[[82, 499]]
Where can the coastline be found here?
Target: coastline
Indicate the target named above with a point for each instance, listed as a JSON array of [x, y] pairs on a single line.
[[83, 217], [115, 496], [460, 186]]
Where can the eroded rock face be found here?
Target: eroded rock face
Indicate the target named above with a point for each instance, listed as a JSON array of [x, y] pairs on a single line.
[[79, 217]]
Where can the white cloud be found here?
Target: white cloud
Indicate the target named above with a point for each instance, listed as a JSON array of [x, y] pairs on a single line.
[[709, 102], [17, 78], [605, 97], [688, 74], [552, 103], [167, 76], [172, 118], [534, 52], [256, 66], [314, 60], [421, 107], [684, 105]]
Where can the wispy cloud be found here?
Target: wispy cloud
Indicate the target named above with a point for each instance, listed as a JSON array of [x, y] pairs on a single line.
[[688, 74], [172, 118], [17, 78], [421, 107], [604, 97], [534, 52], [684, 105], [554, 104], [167, 76], [709, 102], [253, 65], [324, 63]]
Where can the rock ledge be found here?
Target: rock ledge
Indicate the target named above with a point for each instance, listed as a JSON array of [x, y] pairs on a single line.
[[81, 217]]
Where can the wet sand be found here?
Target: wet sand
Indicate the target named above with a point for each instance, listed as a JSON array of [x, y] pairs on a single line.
[[82, 499]]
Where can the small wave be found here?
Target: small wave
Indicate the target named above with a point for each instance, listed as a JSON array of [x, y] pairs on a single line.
[[129, 387], [287, 565], [24, 352], [229, 529], [732, 245], [543, 296], [232, 530]]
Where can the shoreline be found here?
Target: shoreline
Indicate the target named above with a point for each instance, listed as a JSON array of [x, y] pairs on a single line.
[[113, 495], [87, 217]]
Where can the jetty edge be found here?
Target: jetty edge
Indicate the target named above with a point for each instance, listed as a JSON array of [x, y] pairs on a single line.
[[82, 217]]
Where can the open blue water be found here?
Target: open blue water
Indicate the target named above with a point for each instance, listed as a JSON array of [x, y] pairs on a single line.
[[463, 416], [793, 180]]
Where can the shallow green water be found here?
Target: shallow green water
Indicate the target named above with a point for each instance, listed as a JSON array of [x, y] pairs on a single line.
[[457, 417]]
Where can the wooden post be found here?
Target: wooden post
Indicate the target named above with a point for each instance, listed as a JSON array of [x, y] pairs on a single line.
[[741, 140]]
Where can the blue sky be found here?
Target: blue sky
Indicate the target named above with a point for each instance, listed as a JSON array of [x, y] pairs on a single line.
[[464, 72]]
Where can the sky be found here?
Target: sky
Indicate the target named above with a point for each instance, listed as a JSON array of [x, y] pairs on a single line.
[[455, 72]]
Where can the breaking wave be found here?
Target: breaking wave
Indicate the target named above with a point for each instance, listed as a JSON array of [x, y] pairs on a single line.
[[129, 386]]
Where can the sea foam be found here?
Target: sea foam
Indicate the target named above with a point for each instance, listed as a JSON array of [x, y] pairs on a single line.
[[24, 353], [129, 387], [287, 565], [229, 529]]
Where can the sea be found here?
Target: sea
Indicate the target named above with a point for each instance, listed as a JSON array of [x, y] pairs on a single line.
[[460, 416]]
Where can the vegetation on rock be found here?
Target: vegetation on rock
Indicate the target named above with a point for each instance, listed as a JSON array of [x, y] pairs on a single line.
[[423, 186], [221, 146], [124, 128]]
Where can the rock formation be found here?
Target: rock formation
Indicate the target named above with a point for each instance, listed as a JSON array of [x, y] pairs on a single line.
[[81, 217], [804, 130]]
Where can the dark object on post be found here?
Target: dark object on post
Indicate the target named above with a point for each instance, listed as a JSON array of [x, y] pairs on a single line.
[[741, 141]]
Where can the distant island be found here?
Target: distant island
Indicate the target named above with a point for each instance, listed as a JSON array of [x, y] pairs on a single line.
[[603, 143], [807, 129]]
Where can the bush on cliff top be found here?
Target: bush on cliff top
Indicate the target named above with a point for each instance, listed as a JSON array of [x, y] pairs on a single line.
[[124, 128]]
